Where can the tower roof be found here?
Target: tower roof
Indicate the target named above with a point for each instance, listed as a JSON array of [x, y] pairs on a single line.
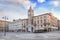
[[30, 9]]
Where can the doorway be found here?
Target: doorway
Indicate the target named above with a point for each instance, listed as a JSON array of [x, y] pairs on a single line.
[[30, 29]]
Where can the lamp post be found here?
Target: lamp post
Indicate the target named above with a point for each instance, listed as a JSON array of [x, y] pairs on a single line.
[[5, 18]]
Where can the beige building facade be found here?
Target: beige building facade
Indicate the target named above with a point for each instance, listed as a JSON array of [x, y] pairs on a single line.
[[45, 21], [24, 25]]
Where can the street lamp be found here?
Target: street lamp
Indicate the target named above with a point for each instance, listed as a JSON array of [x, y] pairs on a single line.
[[5, 18]]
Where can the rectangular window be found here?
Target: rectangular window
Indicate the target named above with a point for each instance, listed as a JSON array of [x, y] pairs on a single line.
[[38, 21], [44, 20], [35, 23], [44, 16], [41, 25], [41, 21]]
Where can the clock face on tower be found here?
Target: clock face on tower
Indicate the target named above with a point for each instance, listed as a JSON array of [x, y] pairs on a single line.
[[29, 14]]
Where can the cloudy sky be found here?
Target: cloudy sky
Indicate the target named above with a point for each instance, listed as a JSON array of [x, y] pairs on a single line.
[[15, 9]]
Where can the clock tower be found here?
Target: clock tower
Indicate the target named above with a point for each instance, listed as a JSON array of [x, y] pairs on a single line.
[[30, 19], [30, 15]]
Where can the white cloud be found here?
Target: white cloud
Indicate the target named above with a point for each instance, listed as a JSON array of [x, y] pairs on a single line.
[[41, 1], [12, 11], [15, 12], [25, 3], [41, 10], [13, 15], [55, 3], [56, 14], [19, 1], [33, 5]]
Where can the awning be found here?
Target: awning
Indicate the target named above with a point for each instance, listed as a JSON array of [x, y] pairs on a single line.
[[40, 28], [54, 27]]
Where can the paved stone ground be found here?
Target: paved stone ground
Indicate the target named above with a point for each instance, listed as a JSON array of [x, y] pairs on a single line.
[[30, 36]]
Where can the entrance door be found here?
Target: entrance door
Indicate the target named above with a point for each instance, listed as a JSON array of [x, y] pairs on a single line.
[[27, 29], [32, 29]]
